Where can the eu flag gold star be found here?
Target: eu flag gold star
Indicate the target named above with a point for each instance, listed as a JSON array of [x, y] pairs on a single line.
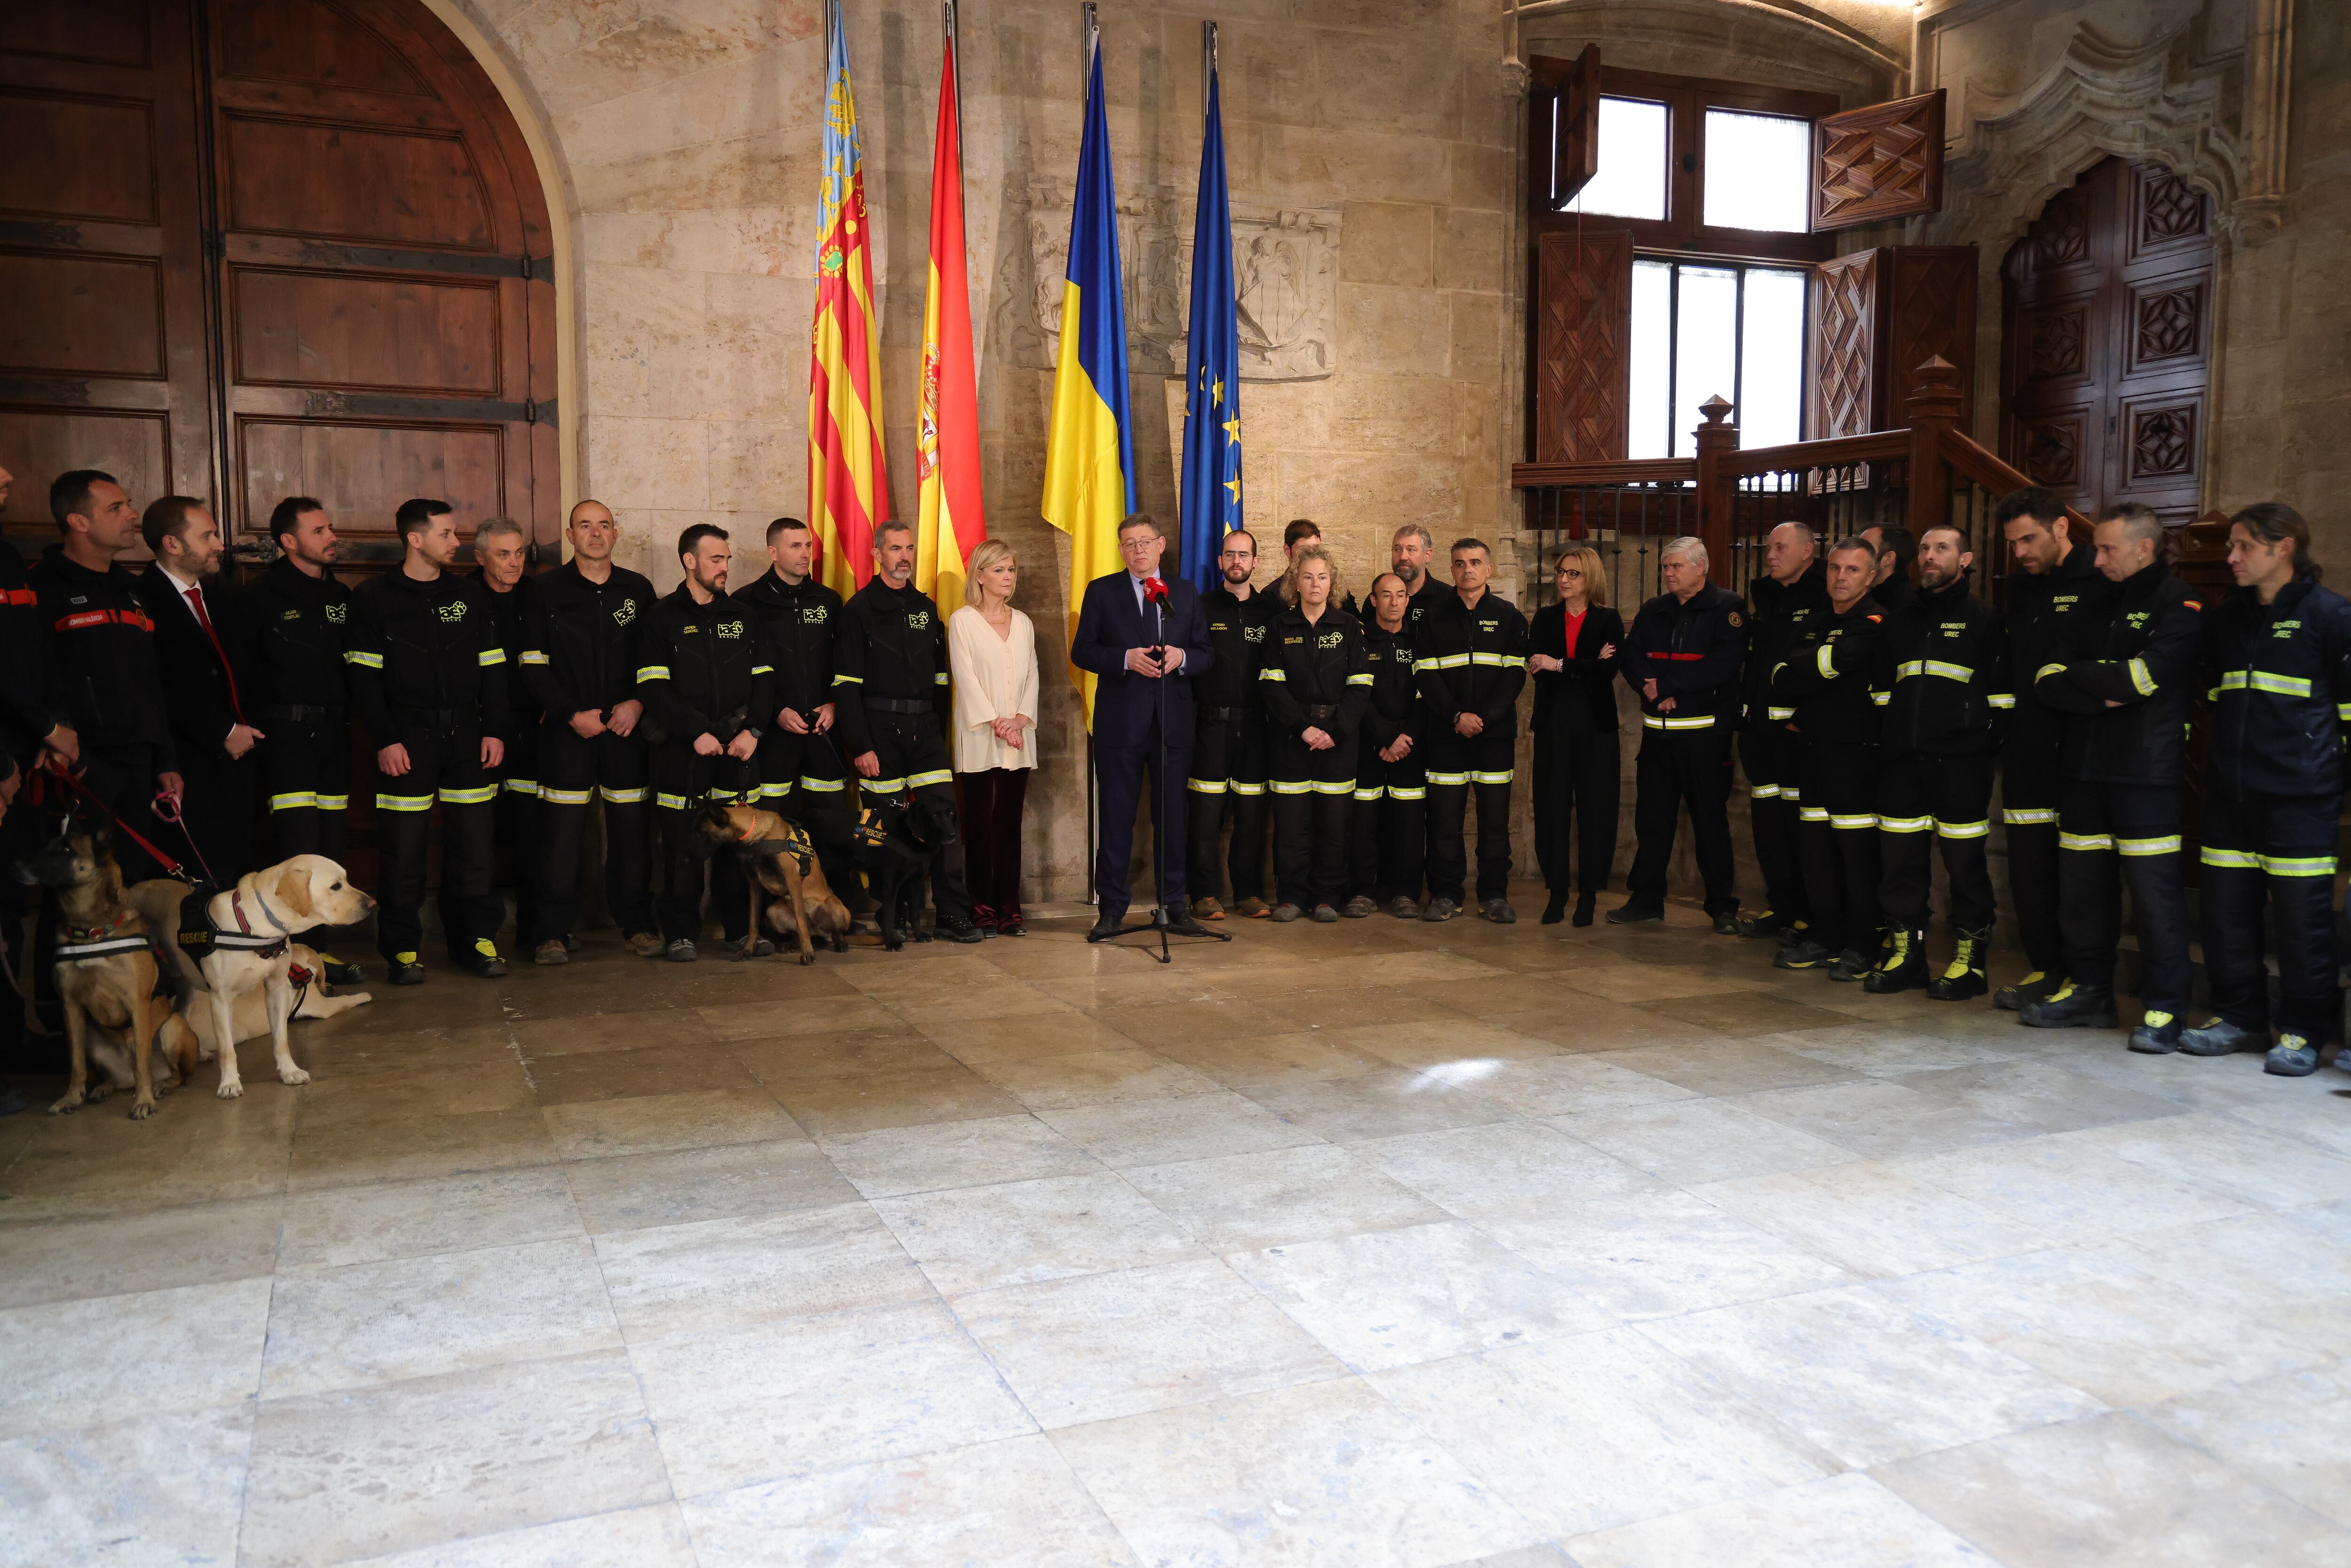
[[1234, 484], [1216, 396], [1233, 429]]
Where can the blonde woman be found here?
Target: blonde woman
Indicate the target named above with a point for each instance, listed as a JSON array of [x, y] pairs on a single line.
[[1572, 650], [992, 651]]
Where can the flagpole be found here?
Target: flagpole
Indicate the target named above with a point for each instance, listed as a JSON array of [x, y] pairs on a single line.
[[1090, 35], [955, 48], [1208, 65], [1090, 31]]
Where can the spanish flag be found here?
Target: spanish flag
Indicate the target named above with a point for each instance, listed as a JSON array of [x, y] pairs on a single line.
[[946, 424], [849, 490], [1090, 451]]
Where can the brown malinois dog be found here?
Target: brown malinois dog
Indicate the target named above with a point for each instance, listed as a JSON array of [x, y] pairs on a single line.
[[106, 968], [776, 859]]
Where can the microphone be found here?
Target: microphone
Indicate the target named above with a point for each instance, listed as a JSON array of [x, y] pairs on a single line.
[[1154, 592]]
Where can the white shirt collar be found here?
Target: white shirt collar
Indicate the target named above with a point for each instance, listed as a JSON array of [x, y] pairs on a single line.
[[184, 585]]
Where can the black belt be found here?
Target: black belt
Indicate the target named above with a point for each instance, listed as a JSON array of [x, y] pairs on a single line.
[[893, 704], [1226, 715], [296, 713], [1321, 713], [441, 719]]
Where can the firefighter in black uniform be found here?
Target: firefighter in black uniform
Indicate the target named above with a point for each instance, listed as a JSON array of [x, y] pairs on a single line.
[[1317, 684], [889, 684], [1683, 657], [2052, 577], [1947, 695], [299, 700], [1825, 678], [707, 688], [32, 736], [801, 774], [1228, 738], [1471, 654], [1389, 819], [102, 655], [1788, 600], [2125, 683], [503, 550], [429, 677], [1897, 550], [579, 661], [2277, 658]]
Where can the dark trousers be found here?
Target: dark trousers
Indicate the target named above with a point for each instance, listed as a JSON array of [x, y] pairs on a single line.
[[914, 758], [801, 778], [992, 799], [2280, 848], [1457, 766], [446, 765], [2116, 835], [124, 779], [1387, 825], [1837, 833], [1678, 767], [683, 782], [1313, 791], [215, 833], [1227, 777], [1578, 775], [572, 771], [306, 770], [1947, 800], [521, 831], [2028, 788], [1120, 775], [1773, 759]]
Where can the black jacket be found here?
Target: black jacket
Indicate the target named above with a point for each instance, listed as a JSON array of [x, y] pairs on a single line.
[[1237, 630], [1943, 676], [1396, 707], [1471, 661], [1826, 676], [1895, 595], [101, 659], [425, 652], [2039, 612], [202, 683], [705, 671], [892, 647], [1584, 691], [799, 626], [1315, 674], [2279, 676], [25, 715], [2137, 648], [511, 613], [579, 649], [1693, 652], [299, 623], [1782, 613]]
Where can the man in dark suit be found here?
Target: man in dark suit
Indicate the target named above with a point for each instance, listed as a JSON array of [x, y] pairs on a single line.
[[200, 646], [1145, 640]]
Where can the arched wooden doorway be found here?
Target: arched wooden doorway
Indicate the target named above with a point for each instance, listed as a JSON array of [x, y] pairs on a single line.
[[253, 248], [2106, 342]]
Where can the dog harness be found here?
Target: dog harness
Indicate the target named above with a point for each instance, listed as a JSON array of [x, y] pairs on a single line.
[[871, 831], [78, 942], [200, 938], [795, 843]]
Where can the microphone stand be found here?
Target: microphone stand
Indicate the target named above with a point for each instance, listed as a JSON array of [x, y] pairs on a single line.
[[1158, 804]]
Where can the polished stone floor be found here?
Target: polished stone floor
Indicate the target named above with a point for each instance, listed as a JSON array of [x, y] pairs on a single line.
[[1359, 1245]]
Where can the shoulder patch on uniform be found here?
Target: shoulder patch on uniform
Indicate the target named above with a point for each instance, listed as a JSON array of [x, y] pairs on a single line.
[[1736, 619]]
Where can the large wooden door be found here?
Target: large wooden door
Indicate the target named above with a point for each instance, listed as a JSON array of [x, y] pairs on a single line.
[[272, 247], [2106, 342]]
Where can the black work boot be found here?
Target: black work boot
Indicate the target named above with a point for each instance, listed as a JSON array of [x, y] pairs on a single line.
[[2071, 1007], [1850, 964], [2036, 986], [1805, 956], [1965, 977], [2158, 1033], [2221, 1038], [1902, 967], [1763, 923]]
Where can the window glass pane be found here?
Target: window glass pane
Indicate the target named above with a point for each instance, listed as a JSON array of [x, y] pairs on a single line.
[[1706, 346], [1631, 181], [1757, 169], [1649, 419], [1772, 367]]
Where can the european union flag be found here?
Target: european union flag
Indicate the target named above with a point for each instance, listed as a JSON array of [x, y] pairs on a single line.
[[1212, 406]]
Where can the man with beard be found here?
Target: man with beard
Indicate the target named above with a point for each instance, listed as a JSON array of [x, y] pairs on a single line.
[[1229, 755], [799, 763], [1789, 599], [201, 648], [502, 550], [1412, 555], [1944, 675]]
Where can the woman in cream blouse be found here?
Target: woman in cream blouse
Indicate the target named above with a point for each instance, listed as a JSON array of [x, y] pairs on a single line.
[[992, 650]]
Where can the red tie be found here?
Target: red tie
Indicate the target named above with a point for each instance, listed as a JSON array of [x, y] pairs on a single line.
[[196, 603]]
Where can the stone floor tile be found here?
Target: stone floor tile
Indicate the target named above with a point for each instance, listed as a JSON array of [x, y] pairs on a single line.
[[2071, 1190], [655, 1028], [1014, 1233], [772, 1020], [1094, 1078], [1879, 1052], [1652, 1255], [1565, 1085], [1878, 1119], [800, 1394], [1623, 982], [726, 1273], [1597, 1430], [1326, 1473], [153, 1489], [1873, 1219], [1213, 1019], [2289, 1433], [53, 1180], [1599, 1026], [1472, 1169], [330, 1102], [2237, 1161], [418, 1147], [1384, 1298], [1737, 1013], [2111, 1491], [1114, 1344], [1692, 1141], [408, 1220], [2038, 1095], [201, 1245], [905, 1098], [652, 1536], [1842, 1522], [110, 1358], [1163, 1132], [840, 1054], [1377, 1005], [891, 1161], [1730, 1066], [1241, 1202], [646, 1070], [1012, 1503], [688, 1185], [1445, 1040], [649, 1124], [1250, 1060], [1381, 1104], [402, 1466], [975, 1041]]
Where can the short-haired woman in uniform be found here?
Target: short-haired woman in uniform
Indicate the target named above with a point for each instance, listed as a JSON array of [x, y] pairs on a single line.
[[1316, 684]]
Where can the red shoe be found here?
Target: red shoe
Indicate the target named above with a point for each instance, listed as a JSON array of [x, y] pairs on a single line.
[[1009, 922]]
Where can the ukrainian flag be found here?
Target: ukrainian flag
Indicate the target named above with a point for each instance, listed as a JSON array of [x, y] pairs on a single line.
[[1090, 452]]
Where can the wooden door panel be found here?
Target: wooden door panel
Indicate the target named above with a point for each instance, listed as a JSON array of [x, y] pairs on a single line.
[[364, 469], [1930, 313], [44, 443], [315, 45], [1881, 161], [79, 32], [1844, 346], [299, 177], [321, 329], [2164, 324], [1582, 354], [69, 314], [106, 144]]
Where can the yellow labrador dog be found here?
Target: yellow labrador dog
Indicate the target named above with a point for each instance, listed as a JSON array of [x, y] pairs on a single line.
[[265, 909], [186, 1039]]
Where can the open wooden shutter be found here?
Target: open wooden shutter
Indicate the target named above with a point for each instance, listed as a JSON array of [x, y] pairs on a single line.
[[1879, 163], [1880, 314], [1582, 359], [1565, 136], [1844, 346]]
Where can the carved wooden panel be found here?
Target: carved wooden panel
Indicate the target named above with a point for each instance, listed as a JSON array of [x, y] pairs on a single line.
[[1882, 161], [1565, 144], [2052, 451], [2053, 342], [315, 328], [87, 315], [2166, 212], [1931, 312], [1845, 346], [2167, 322], [1583, 372], [2162, 439]]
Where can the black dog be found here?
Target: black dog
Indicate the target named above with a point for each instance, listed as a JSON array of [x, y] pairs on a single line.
[[895, 840]]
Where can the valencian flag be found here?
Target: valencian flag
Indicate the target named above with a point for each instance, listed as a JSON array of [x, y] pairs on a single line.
[[947, 424], [848, 492], [1212, 406], [1090, 451]]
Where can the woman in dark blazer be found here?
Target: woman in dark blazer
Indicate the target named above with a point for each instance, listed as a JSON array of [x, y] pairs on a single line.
[[1571, 653]]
